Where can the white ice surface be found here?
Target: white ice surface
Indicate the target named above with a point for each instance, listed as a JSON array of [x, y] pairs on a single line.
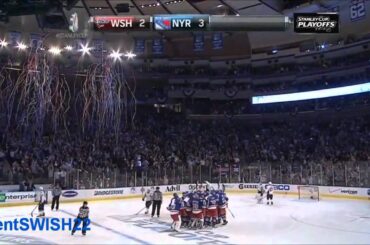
[[288, 221]]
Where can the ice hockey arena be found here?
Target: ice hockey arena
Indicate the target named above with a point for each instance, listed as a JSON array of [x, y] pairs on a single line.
[[184, 122]]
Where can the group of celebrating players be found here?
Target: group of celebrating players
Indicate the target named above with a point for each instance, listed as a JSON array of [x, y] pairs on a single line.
[[203, 208], [198, 209]]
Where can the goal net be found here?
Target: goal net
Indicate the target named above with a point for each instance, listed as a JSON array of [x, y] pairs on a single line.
[[308, 192]]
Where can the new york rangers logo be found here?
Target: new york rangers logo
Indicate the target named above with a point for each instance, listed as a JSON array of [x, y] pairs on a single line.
[[162, 23]]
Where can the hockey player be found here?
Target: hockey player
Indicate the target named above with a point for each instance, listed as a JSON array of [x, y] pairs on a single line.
[[42, 202], [203, 201], [222, 204], [260, 192], [82, 217], [270, 193], [174, 208], [212, 208], [183, 214], [148, 198], [197, 212]]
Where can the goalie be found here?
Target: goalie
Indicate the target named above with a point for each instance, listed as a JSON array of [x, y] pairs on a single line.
[[260, 193]]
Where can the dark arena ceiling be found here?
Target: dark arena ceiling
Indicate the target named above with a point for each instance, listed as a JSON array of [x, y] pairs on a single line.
[[50, 17]]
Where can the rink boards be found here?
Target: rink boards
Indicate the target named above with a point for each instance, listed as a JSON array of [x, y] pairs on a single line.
[[28, 198]]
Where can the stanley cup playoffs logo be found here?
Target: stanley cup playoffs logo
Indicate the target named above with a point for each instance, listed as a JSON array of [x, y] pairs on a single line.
[[316, 22], [73, 23]]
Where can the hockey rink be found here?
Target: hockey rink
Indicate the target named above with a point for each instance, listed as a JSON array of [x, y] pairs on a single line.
[[288, 221]]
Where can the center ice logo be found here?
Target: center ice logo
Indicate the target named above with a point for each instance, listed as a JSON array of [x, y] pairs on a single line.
[[201, 236]]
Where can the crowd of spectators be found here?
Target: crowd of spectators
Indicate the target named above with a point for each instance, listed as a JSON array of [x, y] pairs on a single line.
[[165, 147]]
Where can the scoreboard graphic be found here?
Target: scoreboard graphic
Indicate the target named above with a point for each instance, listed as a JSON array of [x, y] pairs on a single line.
[[199, 22]]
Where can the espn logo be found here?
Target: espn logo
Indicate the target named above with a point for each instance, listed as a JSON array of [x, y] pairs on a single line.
[[316, 22]]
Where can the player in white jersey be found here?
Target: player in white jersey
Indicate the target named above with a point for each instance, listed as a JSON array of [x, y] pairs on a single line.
[[270, 193], [260, 192], [148, 198], [41, 198]]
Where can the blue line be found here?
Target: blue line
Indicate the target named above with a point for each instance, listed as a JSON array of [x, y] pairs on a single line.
[[111, 230]]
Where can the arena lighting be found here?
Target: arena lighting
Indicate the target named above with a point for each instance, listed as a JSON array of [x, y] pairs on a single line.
[[55, 50], [317, 94], [116, 55], [3, 43], [85, 49], [21, 46], [130, 55], [68, 47]]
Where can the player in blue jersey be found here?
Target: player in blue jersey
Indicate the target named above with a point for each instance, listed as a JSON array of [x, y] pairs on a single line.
[[222, 205], [212, 214], [185, 219], [197, 212], [174, 208], [188, 198]]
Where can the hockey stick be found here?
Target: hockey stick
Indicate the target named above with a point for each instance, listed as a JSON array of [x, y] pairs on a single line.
[[34, 210], [231, 212], [140, 211]]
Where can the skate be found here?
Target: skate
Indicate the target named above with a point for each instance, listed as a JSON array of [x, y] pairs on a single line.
[[225, 222]]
